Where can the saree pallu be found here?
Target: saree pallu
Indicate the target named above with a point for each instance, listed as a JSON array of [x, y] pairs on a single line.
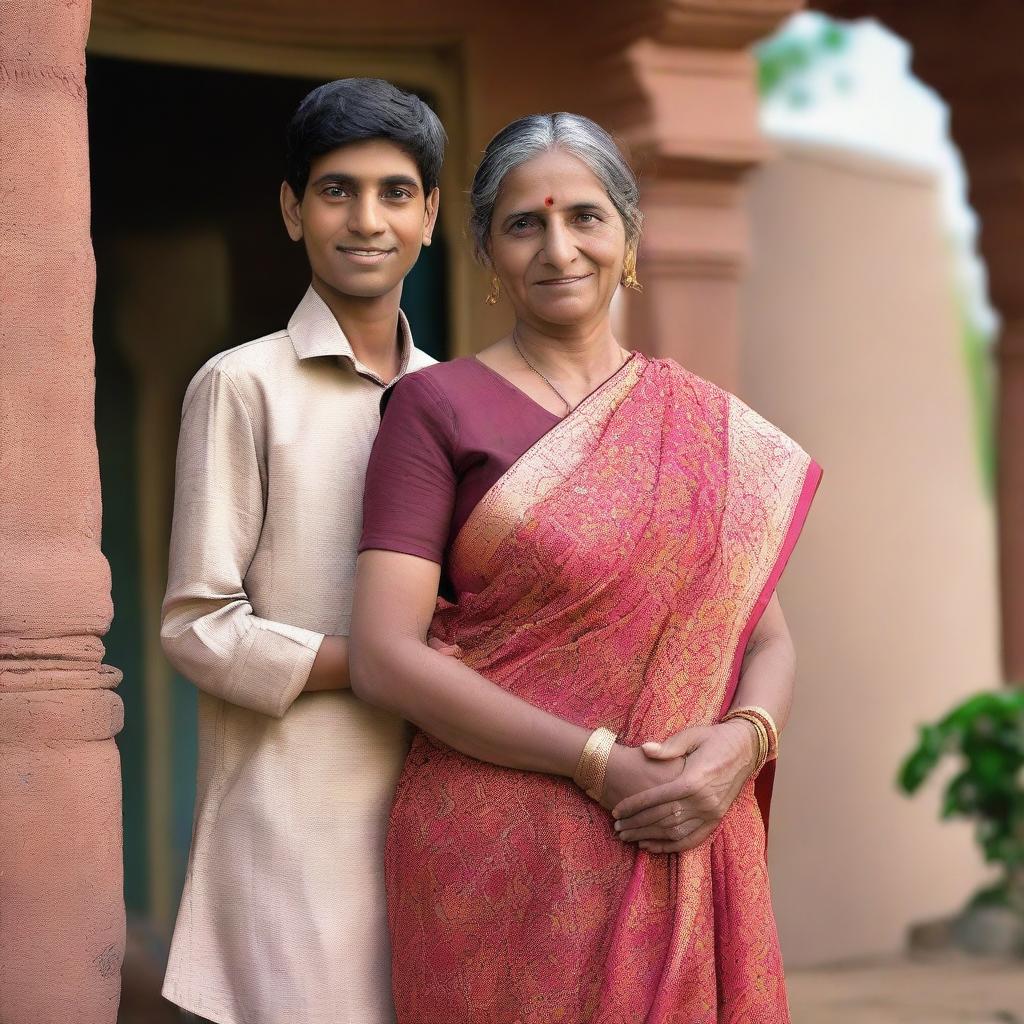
[[623, 562]]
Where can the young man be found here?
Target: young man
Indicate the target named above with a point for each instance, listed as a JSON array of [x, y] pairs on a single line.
[[282, 918]]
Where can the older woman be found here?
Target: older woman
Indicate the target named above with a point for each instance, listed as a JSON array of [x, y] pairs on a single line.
[[576, 836]]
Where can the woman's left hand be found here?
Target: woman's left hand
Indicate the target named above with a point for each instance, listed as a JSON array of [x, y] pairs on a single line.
[[681, 814]]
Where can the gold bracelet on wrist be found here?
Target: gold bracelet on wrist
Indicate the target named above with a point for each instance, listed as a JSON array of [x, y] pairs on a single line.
[[593, 763], [760, 732], [759, 729], [769, 724]]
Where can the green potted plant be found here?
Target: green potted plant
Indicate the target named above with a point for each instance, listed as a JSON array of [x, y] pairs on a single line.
[[986, 734]]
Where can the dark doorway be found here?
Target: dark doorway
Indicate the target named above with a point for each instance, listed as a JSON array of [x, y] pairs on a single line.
[[173, 146]]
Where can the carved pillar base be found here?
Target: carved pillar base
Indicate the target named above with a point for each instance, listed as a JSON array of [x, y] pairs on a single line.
[[61, 917]]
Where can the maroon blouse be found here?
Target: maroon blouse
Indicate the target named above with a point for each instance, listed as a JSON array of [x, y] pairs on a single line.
[[448, 433]]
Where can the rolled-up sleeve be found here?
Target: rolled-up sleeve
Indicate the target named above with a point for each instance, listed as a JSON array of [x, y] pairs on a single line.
[[208, 628]]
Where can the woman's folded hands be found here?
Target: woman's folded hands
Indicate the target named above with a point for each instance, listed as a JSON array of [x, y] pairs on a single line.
[[671, 796], [702, 770]]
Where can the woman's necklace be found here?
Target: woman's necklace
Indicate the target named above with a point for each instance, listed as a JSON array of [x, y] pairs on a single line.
[[563, 399]]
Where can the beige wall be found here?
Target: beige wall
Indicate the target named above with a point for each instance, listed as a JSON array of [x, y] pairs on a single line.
[[851, 345]]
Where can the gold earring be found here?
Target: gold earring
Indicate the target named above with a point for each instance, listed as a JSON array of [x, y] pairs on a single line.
[[492, 295], [629, 278]]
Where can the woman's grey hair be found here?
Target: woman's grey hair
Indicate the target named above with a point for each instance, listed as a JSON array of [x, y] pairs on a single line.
[[535, 134]]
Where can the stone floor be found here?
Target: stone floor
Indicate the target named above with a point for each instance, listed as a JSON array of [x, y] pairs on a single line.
[[928, 991]]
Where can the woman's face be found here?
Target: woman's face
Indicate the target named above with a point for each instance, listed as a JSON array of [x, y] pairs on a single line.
[[557, 243]]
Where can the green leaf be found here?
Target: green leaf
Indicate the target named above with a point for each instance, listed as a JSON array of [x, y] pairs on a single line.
[[987, 732], [961, 717], [922, 759]]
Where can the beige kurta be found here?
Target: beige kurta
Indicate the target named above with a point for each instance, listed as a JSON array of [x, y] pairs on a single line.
[[282, 918]]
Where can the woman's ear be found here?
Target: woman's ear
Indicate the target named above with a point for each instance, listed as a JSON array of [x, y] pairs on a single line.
[[291, 211]]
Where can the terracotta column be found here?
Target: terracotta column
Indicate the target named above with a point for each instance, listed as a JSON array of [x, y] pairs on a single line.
[[970, 54], [61, 913], [1011, 490], [684, 97]]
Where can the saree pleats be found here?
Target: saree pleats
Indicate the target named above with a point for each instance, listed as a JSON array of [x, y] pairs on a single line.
[[622, 563]]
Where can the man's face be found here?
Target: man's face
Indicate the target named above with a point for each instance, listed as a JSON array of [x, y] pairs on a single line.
[[363, 217]]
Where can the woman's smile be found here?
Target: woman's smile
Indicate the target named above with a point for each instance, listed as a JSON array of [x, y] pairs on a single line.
[[563, 281]]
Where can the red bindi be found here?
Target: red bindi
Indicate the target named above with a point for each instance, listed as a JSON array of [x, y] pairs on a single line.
[[549, 201]]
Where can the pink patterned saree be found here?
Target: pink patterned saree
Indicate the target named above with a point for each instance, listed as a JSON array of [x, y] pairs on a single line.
[[623, 562]]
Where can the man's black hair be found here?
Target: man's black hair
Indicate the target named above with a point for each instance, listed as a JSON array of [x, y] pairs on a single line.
[[355, 110]]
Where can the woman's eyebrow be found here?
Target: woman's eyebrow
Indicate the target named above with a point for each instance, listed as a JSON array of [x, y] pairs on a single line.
[[579, 207], [517, 214]]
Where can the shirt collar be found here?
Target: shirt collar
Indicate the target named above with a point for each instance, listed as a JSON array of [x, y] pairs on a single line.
[[315, 331]]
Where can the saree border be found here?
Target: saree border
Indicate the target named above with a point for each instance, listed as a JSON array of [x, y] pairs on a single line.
[[812, 478], [765, 781]]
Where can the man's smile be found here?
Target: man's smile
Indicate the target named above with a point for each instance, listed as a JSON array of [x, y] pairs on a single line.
[[367, 255]]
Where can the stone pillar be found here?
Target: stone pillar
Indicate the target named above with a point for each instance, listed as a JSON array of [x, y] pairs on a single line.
[[684, 99], [61, 912]]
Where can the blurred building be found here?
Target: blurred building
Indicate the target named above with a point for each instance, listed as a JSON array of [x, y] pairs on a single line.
[[815, 288]]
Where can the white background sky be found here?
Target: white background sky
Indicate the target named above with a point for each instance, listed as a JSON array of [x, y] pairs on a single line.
[[864, 97]]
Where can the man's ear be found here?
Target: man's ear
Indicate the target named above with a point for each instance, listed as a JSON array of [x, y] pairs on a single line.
[[291, 211], [430, 217]]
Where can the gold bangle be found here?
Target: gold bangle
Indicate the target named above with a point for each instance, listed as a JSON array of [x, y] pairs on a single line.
[[762, 742], [769, 723], [759, 729], [764, 745], [593, 763]]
